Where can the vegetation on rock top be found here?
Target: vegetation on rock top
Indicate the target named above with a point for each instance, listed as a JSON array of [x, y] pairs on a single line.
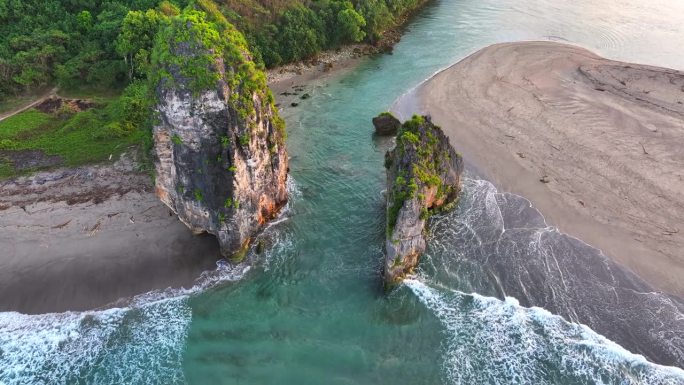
[[418, 162], [191, 51]]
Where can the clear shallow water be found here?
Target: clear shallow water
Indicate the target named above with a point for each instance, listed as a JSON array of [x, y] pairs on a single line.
[[310, 309]]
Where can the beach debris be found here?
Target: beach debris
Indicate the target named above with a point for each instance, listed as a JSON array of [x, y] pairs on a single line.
[[62, 225], [643, 148], [95, 228], [520, 154], [305, 96], [545, 179], [581, 202], [670, 232]]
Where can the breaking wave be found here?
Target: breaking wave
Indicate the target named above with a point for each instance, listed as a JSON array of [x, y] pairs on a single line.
[[138, 341], [492, 341]]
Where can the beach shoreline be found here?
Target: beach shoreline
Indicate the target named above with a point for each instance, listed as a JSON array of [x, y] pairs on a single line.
[[594, 144], [83, 238]]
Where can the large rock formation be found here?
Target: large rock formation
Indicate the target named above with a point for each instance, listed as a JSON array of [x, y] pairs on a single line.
[[221, 162], [423, 176]]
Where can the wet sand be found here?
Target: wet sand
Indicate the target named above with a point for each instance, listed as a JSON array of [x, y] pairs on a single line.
[[596, 145], [83, 238]]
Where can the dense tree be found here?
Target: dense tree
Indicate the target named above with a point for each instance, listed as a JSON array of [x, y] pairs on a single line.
[[351, 24], [378, 17], [68, 42], [106, 44], [301, 34], [136, 38]]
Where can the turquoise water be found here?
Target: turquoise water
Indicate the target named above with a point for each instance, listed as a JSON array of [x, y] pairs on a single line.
[[311, 309]]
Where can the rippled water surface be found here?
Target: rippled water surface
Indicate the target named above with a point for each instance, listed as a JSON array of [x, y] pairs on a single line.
[[311, 310]]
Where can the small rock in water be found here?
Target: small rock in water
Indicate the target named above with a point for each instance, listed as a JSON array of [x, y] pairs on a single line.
[[386, 124]]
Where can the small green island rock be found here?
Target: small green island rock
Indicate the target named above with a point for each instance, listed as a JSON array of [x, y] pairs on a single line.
[[386, 124], [423, 177]]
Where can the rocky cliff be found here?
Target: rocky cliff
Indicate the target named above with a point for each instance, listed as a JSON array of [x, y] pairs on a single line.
[[423, 177], [221, 162]]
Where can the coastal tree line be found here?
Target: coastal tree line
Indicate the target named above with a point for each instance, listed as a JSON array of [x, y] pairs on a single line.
[[107, 44]]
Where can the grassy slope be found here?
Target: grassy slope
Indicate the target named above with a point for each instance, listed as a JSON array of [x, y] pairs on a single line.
[[79, 138]]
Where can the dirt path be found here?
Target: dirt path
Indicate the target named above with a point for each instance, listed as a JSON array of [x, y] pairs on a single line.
[[25, 107]]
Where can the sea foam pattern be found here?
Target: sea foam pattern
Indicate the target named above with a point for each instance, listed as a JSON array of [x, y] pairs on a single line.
[[489, 341], [114, 346], [498, 245], [139, 342]]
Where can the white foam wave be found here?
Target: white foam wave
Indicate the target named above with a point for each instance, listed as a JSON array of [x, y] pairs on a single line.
[[494, 341], [119, 345], [139, 341]]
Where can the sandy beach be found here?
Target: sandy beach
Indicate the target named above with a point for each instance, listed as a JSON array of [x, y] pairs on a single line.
[[75, 239], [596, 145], [82, 238]]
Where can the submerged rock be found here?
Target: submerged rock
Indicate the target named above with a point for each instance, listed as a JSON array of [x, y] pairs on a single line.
[[423, 177], [386, 124], [221, 162]]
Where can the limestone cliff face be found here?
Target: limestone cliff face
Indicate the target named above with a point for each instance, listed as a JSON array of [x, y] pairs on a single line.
[[221, 162], [423, 177]]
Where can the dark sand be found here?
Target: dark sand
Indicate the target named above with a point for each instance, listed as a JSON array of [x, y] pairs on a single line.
[[82, 238]]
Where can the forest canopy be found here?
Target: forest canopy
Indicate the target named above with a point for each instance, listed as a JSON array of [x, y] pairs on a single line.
[[107, 44]]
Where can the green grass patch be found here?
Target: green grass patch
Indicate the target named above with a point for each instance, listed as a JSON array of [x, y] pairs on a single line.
[[28, 120], [86, 137]]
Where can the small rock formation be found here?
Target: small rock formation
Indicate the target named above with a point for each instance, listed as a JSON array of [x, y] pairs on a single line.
[[221, 162], [386, 124], [423, 177]]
